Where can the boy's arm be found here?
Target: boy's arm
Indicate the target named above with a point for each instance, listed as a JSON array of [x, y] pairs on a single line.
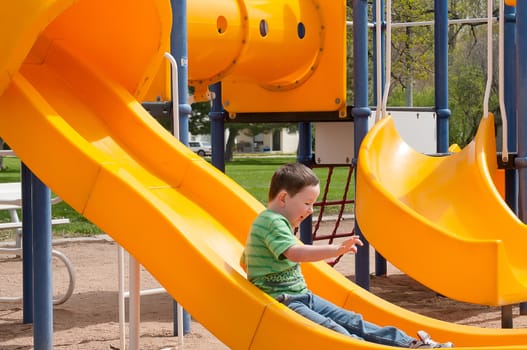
[[308, 253], [242, 262]]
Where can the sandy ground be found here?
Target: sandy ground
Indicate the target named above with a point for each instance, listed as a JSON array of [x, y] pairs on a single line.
[[89, 319]]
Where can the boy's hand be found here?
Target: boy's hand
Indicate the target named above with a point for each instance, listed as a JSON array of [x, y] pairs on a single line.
[[350, 245], [304, 253]]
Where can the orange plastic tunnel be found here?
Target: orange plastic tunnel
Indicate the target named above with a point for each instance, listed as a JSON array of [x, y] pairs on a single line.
[[269, 51], [233, 37]]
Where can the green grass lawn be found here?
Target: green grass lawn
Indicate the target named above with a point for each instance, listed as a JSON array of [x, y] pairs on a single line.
[[252, 173], [78, 225]]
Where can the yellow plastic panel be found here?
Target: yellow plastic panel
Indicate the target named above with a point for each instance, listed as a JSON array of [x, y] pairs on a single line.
[[21, 22], [217, 36], [443, 221], [263, 30], [172, 238], [128, 51], [284, 55], [383, 313], [21, 104], [222, 187]]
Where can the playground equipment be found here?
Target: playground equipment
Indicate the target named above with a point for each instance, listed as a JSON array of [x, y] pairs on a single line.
[[324, 204], [467, 247], [73, 86], [239, 41], [11, 200], [432, 203], [57, 300]]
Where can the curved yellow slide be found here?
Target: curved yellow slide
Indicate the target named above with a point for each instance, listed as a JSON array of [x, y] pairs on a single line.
[[441, 219], [70, 110]]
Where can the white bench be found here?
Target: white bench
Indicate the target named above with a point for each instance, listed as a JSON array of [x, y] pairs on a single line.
[[11, 200], [18, 224]]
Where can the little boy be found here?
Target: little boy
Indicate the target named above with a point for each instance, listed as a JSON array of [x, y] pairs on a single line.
[[272, 256]]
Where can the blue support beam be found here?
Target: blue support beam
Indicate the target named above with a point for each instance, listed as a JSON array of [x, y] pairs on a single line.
[[380, 261], [521, 110], [27, 245], [441, 73], [179, 50], [42, 267], [511, 175], [217, 128], [305, 156], [361, 112]]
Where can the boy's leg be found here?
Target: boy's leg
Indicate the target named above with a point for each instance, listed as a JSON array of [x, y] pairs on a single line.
[[356, 325], [300, 304]]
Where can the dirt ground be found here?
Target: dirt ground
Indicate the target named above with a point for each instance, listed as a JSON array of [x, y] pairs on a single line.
[[89, 319]]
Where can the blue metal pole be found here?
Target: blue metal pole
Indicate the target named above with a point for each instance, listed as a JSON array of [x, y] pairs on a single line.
[[217, 128], [305, 157], [43, 291], [383, 51], [521, 108], [380, 261], [360, 113], [511, 175], [441, 73], [178, 45], [27, 245]]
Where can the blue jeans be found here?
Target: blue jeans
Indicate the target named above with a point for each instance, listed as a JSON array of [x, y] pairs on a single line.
[[343, 321]]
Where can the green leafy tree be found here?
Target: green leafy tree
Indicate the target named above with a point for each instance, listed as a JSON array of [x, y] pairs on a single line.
[[199, 122], [413, 63]]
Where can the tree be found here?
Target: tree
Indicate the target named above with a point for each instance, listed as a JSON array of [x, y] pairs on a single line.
[[413, 62], [2, 166], [252, 129], [199, 122]]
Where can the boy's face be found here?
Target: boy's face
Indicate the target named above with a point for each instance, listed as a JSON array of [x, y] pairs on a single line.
[[300, 206]]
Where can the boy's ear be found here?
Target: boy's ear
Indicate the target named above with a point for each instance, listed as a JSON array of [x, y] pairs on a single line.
[[282, 195]]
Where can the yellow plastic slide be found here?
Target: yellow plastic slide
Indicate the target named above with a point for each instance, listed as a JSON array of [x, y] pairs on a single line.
[[69, 108], [441, 219]]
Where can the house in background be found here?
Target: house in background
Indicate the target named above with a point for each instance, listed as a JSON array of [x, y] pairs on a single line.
[[279, 141]]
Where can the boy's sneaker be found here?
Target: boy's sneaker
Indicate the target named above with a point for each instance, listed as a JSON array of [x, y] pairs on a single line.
[[426, 342]]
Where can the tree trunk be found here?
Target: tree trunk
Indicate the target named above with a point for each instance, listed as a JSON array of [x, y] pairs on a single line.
[[229, 148], [2, 166]]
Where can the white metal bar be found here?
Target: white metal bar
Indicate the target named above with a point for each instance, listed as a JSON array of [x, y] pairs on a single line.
[[501, 73], [61, 299], [123, 295], [429, 23], [143, 292], [134, 302], [18, 224], [175, 115], [379, 58], [388, 62], [180, 331], [175, 93], [490, 7], [122, 316]]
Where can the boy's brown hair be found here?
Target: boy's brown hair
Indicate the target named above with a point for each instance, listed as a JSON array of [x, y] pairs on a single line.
[[292, 178]]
